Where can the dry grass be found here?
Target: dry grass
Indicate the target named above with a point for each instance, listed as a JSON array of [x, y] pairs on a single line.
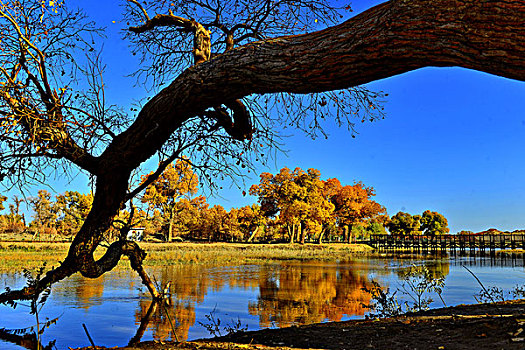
[[233, 253], [15, 257], [20, 255]]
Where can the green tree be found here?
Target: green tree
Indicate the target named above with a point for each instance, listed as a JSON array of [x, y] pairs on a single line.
[[54, 111], [433, 223], [405, 224], [375, 228], [164, 193]]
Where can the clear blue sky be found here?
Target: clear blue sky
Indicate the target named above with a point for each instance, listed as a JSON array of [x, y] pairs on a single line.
[[453, 141]]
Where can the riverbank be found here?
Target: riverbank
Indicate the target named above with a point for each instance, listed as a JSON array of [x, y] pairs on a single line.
[[15, 256], [480, 326]]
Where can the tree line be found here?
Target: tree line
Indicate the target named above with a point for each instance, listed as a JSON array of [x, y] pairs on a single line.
[[292, 206], [61, 216]]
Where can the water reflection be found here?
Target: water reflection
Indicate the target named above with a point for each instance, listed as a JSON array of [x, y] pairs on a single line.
[[308, 293], [288, 294], [27, 341], [165, 321], [117, 309], [436, 268]]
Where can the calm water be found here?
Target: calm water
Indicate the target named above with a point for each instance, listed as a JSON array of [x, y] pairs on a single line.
[[273, 295]]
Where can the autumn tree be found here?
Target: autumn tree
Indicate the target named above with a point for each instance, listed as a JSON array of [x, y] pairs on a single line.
[[215, 224], [15, 219], [2, 201], [318, 210], [297, 197], [404, 224], [433, 223], [44, 213], [251, 221], [215, 70], [353, 205], [277, 195], [191, 217], [175, 182], [304, 201], [72, 209], [3, 219]]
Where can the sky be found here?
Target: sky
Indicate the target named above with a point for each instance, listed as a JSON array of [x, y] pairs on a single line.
[[453, 141]]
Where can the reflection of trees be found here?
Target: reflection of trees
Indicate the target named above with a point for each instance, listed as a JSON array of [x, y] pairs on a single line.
[[191, 284], [88, 292], [26, 340], [308, 293], [435, 267], [289, 294], [302, 293], [165, 321], [85, 292]]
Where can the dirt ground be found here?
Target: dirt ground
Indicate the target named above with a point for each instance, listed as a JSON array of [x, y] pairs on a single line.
[[479, 327]]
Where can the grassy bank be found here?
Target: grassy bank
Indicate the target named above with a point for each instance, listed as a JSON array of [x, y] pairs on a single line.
[[20, 255]]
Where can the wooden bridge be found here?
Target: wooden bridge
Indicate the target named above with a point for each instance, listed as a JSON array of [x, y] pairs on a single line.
[[452, 243]]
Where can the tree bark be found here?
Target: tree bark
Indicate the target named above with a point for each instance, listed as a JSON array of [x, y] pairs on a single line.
[[349, 229], [252, 236], [292, 234], [170, 227], [389, 39], [321, 235]]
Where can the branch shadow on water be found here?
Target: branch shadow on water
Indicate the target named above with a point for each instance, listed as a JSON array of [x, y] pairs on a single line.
[[144, 322], [24, 339]]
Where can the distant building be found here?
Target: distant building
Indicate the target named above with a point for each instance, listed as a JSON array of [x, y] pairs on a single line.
[[135, 234]]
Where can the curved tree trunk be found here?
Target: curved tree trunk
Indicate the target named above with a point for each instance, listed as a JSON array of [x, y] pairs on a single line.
[[389, 39], [321, 236], [252, 236], [110, 194]]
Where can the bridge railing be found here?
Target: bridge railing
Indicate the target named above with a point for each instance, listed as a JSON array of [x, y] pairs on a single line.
[[449, 242]]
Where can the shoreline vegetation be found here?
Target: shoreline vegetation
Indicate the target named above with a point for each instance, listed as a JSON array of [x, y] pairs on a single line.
[[15, 256]]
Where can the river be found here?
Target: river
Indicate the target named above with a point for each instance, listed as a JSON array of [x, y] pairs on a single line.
[[248, 296]]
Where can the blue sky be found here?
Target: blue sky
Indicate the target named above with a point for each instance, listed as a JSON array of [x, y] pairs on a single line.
[[452, 141]]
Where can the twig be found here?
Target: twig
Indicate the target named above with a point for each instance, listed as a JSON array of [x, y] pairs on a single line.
[[485, 289], [87, 333], [481, 284]]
